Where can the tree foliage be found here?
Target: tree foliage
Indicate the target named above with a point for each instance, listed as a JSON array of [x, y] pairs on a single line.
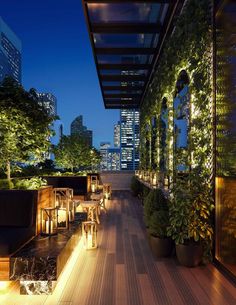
[[73, 152], [24, 126]]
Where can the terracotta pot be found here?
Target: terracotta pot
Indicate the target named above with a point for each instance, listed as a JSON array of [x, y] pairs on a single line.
[[161, 247], [189, 255]]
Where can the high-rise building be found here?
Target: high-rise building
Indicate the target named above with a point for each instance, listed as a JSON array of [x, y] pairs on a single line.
[[129, 144], [77, 128], [10, 53], [104, 146], [49, 101], [61, 130], [110, 157], [113, 159], [117, 135]]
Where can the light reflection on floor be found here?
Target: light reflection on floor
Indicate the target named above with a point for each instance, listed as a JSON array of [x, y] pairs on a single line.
[[13, 297]]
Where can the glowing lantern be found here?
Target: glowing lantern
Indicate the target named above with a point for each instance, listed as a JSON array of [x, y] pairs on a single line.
[[89, 234], [107, 190], [48, 221], [94, 183]]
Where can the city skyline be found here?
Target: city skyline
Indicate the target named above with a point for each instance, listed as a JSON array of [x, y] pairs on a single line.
[[64, 68]]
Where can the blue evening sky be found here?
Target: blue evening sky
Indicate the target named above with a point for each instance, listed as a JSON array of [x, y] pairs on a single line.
[[57, 58]]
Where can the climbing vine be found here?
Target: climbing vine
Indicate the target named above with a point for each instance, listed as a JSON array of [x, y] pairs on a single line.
[[189, 48]]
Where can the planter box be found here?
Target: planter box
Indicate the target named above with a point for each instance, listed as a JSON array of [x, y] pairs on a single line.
[[79, 184]]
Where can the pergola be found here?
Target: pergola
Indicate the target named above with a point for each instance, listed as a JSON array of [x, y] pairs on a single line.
[[127, 39]]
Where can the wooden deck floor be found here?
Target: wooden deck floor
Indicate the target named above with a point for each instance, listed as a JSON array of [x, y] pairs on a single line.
[[122, 270]]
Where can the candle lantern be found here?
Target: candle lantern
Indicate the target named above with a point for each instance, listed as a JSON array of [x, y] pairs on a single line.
[[154, 179], [48, 221], [141, 174], [62, 218], [89, 234], [71, 210], [94, 183], [63, 202], [107, 190], [145, 176], [166, 183]]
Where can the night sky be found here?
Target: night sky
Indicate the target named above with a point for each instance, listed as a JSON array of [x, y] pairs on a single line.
[[57, 58]]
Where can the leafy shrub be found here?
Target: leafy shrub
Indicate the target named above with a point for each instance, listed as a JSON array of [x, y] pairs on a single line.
[[159, 221], [190, 214], [154, 201], [30, 184], [145, 191], [135, 186], [6, 184]]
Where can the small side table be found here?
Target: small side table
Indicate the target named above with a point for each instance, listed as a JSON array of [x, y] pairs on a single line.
[[91, 208], [100, 198]]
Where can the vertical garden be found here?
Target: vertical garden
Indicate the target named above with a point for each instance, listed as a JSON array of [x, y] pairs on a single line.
[[177, 124]]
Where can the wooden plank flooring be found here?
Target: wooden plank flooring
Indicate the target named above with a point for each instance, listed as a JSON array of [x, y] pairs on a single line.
[[122, 270]]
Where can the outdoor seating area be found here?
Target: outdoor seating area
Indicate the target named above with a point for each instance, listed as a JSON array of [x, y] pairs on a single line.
[[40, 233]]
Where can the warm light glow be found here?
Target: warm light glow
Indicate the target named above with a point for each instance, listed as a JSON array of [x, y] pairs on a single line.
[[89, 235], [65, 274], [3, 286], [93, 188], [97, 5]]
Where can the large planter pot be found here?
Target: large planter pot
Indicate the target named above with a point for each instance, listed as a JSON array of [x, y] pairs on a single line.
[[147, 234], [161, 247], [189, 255]]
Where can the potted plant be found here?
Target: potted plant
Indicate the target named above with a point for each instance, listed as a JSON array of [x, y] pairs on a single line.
[[190, 225], [160, 243], [153, 201], [156, 217]]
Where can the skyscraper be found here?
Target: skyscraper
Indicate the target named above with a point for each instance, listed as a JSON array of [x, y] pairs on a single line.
[[104, 146], [77, 128], [10, 53], [110, 157], [61, 130], [113, 159], [129, 130], [49, 101], [117, 135]]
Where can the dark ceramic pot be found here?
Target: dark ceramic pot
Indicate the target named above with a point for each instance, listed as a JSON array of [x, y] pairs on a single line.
[[189, 255], [161, 247], [148, 234]]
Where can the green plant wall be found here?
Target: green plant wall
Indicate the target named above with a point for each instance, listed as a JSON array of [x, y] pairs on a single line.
[[189, 48]]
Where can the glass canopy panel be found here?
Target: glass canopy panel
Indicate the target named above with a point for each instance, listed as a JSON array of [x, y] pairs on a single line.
[[123, 84], [124, 59], [121, 99], [125, 40], [124, 12], [124, 72], [122, 91]]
